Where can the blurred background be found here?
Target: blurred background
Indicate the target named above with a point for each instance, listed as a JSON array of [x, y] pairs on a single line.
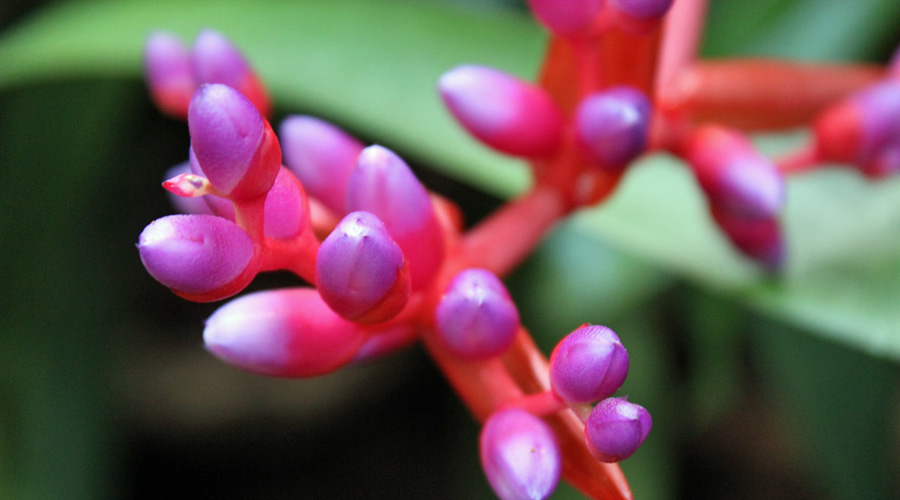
[[759, 388]]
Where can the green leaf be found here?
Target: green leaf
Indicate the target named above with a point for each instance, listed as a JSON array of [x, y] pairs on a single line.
[[372, 66]]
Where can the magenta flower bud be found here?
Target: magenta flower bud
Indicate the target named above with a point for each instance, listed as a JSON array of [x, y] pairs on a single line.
[[757, 238], [322, 156], [588, 365], [235, 146], [616, 428], [642, 9], [735, 176], [217, 60], [286, 209], [502, 111], [612, 126], [476, 318], [195, 205], [169, 75], [566, 17], [384, 185], [360, 271], [219, 206], [195, 254], [879, 107], [520, 455], [885, 163], [283, 333]]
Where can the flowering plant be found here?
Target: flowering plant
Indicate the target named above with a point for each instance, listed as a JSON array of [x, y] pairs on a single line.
[[591, 115]]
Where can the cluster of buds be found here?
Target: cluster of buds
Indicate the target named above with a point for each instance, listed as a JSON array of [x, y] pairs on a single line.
[[391, 263]]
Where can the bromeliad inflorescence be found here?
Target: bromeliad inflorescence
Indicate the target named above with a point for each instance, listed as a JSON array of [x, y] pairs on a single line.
[[391, 263]]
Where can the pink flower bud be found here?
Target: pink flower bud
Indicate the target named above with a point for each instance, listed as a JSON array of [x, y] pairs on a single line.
[[476, 318], [196, 254], [735, 177], [384, 185], [196, 205], [169, 75], [612, 126], [219, 206], [506, 113], [286, 209], [588, 365], [322, 156], [862, 129], [235, 146], [566, 17], [360, 271], [757, 238], [283, 333], [217, 60], [616, 428], [520, 455]]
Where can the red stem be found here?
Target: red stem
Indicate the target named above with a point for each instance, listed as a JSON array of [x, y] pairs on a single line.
[[761, 94], [502, 241]]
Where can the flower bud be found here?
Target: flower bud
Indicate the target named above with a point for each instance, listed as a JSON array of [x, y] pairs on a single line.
[[283, 333], [217, 60], [757, 238], [502, 111], [862, 129], [588, 365], [322, 156], [219, 206], [169, 75], [616, 428], [195, 205], [735, 176], [196, 254], [566, 17], [384, 185], [476, 318], [360, 271], [520, 455], [612, 126], [235, 146], [286, 209]]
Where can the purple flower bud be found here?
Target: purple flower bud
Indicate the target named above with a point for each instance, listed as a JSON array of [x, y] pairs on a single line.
[[504, 112], [476, 318], [195, 254], [219, 206], [322, 156], [195, 205], [757, 238], [360, 271], [384, 185], [235, 146], [735, 176], [879, 107], [588, 365], [642, 9], [616, 428], [284, 333], [217, 60], [520, 455], [170, 78], [885, 163], [613, 126], [286, 209], [566, 17]]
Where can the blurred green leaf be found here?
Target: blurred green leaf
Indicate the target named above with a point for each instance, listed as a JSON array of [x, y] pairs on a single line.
[[373, 65]]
